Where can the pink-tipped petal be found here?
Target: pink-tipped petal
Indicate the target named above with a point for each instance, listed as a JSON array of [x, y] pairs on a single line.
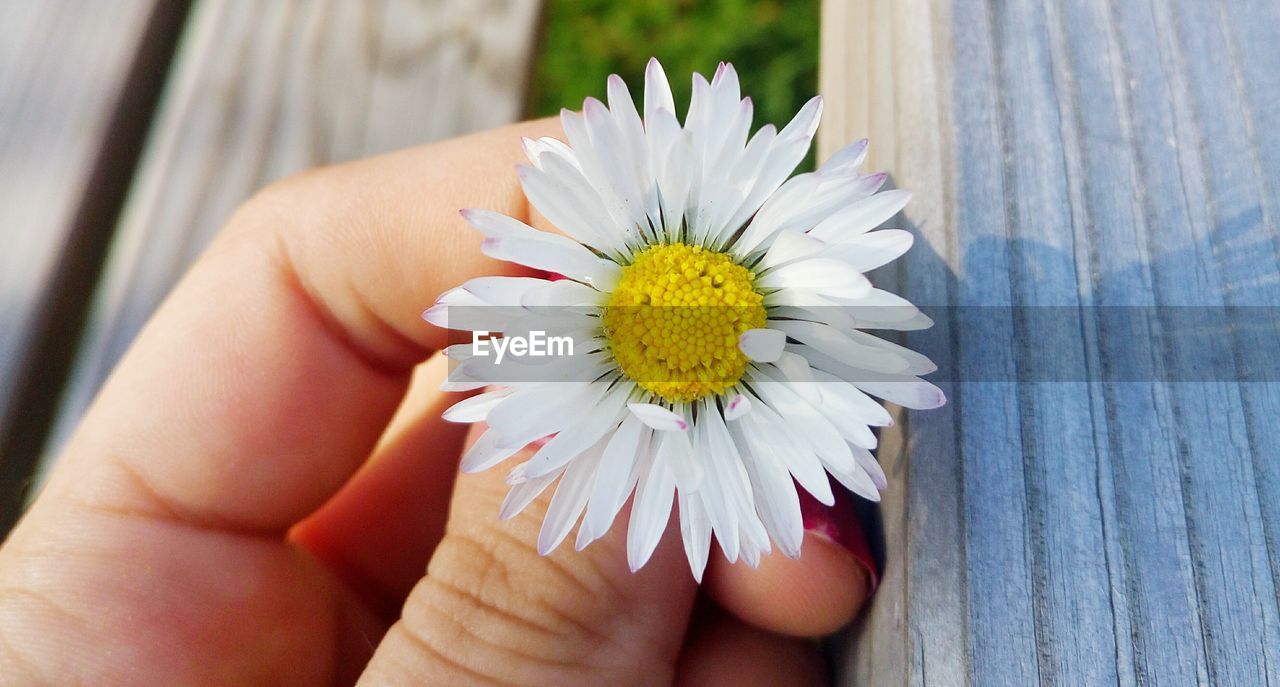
[[736, 408], [658, 417]]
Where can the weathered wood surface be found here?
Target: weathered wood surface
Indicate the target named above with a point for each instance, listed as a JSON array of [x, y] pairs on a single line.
[[63, 64], [261, 90], [1085, 154]]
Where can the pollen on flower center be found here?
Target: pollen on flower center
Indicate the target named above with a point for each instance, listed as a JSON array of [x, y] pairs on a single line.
[[674, 320]]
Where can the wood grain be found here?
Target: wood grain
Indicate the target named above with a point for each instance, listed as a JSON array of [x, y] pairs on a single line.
[[1090, 155], [261, 90], [63, 64]]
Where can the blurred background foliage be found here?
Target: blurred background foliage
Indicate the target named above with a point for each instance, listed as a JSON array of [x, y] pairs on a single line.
[[772, 43]]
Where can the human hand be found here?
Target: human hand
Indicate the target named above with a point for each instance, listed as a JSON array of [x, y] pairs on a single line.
[[255, 494]]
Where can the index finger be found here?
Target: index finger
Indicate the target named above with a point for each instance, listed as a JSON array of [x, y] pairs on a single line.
[[265, 378]]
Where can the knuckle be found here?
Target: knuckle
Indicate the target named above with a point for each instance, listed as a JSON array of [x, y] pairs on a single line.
[[284, 204]]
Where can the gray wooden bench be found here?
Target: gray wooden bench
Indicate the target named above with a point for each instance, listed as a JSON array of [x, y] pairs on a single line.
[[1120, 161], [78, 83], [252, 92]]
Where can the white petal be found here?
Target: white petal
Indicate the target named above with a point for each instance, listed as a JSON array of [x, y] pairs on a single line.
[[695, 532], [767, 431], [438, 315], [904, 390], [916, 363], [762, 345], [807, 200], [657, 91], [562, 293], [501, 291], [595, 162], [677, 176], [878, 309], [809, 423], [573, 260], [510, 239], [716, 494], [533, 149], [459, 352], [567, 177], [569, 500], [862, 216], [609, 492], [487, 452], [735, 485], [658, 417], [761, 162], [650, 511], [854, 431], [565, 198], [540, 150], [452, 385], [846, 160], [476, 408], [736, 408], [617, 168], [541, 410], [847, 399], [803, 384], [460, 309], [791, 247], [804, 124], [787, 151], [872, 467], [497, 225], [814, 273], [697, 119], [534, 371], [842, 346], [591, 425], [866, 252], [795, 370], [779, 504], [522, 494], [805, 298], [856, 480], [631, 129], [676, 451]]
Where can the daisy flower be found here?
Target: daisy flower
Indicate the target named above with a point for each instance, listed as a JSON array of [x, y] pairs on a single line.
[[718, 304]]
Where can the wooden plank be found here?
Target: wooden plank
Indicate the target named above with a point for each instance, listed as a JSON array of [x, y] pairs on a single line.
[[62, 67], [79, 88], [1113, 159], [263, 90]]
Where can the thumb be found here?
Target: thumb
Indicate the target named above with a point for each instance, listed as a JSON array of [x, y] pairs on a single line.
[[492, 610]]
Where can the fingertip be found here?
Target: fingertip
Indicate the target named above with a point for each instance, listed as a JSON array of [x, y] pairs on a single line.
[[813, 595], [724, 652]]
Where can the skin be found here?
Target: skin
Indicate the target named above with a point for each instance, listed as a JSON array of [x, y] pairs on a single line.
[[256, 492]]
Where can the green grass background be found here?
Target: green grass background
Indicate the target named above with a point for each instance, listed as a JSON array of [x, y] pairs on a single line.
[[772, 43]]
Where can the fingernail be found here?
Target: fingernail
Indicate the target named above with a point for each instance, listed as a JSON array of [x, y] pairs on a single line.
[[840, 523]]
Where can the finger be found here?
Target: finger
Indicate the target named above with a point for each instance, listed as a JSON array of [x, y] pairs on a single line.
[[267, 376], [379, 530], [491, 610], [724, 652], [809, 596]]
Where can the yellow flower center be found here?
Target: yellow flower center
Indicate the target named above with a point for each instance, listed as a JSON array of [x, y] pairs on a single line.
[[674, 320]]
